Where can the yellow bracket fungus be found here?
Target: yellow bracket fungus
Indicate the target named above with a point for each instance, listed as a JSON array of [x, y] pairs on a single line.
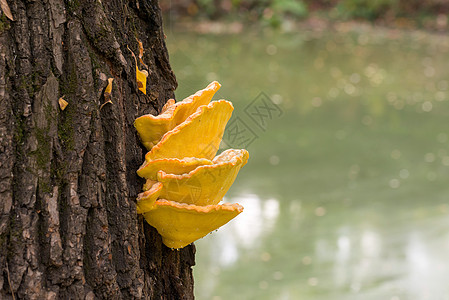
[[146, 200], [180, 224], [198, 136], [185, 180], [152, 128], [171, 165], [207, 184]]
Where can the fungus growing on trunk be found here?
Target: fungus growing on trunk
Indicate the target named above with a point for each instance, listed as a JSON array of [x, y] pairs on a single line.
[[198, 136], [146, 200], [152, 128], [180, 224], [205, 185], [185, 180], [176, 166]]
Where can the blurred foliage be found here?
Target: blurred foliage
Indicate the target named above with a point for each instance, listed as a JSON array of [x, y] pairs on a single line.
[[366, 9], [274, 12], [375, 9], [279, 9], [249, 9], [296, 8]]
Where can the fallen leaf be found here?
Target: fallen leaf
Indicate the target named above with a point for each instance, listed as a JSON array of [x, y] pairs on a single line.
[[141, 76], [62, 103], [140, 48], [141, 53], [5, 8], [142, 80], [105, 104], [107, 92]]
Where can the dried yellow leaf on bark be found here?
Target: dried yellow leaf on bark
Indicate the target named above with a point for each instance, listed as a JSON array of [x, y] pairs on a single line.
[[62, 103], [141, 53], [141, 76], [107, 93], [108, 89], [140, 49], [5, 8]]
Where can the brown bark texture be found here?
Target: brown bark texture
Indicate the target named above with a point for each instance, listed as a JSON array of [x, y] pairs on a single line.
[[68, 183]]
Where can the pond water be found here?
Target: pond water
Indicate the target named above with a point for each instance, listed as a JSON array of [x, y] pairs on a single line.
[[346, 192]]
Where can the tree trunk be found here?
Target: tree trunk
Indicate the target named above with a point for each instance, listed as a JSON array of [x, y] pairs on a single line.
[[68, 183]]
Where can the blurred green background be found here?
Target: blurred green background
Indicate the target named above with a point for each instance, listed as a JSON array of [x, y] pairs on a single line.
[[431, 14], [346, 193]]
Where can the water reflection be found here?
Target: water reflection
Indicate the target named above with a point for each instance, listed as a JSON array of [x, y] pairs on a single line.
[[224, 247], [345, 195], [259, 219]]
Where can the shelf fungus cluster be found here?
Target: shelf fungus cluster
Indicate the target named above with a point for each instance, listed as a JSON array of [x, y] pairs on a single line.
[[185, 180]]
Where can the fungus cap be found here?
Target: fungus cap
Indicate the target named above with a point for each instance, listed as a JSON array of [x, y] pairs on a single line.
[[177, 166], [207, 184], [180, 224], [152, 128], [146, 200], [198, 136]]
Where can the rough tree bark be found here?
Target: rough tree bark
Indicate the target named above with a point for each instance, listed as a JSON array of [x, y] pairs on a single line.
[[68, 183]]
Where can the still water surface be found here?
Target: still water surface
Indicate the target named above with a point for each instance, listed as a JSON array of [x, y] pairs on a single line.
[[346, 192]]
